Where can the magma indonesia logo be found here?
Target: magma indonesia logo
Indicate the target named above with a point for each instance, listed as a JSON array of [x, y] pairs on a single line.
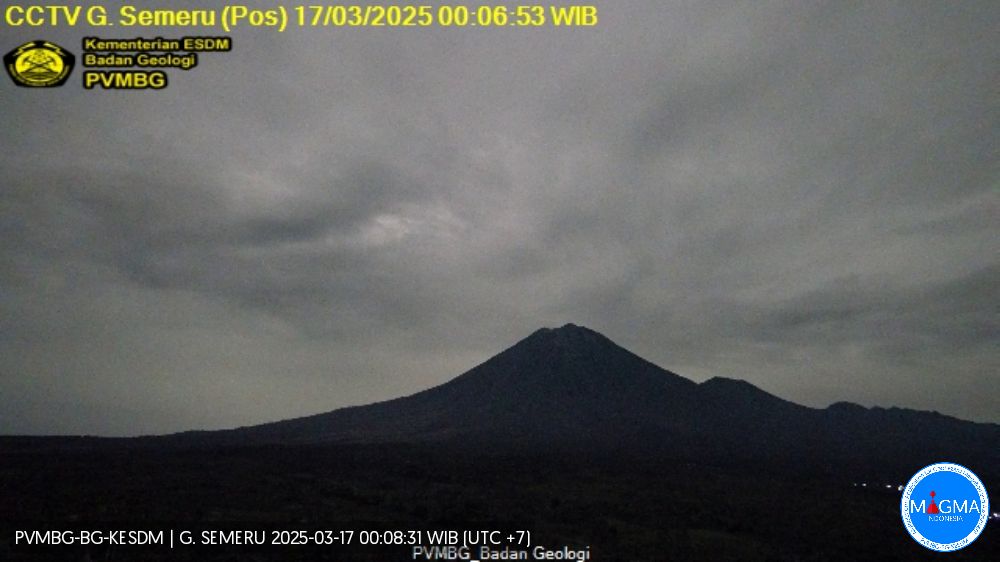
[[39, 64], [945, 507]]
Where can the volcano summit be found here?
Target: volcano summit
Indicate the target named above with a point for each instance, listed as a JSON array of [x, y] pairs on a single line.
[[573, 388]]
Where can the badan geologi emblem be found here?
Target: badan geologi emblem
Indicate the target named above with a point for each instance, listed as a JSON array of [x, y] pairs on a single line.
[[39, 64]]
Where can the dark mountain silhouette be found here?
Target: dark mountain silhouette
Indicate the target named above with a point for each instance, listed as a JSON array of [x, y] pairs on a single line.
[[565, 433], [573, 389], [568, 386]]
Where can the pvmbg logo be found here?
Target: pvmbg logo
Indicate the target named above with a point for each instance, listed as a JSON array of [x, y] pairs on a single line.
[[39, 64], [945, 507]]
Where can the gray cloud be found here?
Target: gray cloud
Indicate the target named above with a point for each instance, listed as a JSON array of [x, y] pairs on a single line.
[[801, 195]]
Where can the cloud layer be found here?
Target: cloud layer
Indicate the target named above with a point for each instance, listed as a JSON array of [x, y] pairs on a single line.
[[804, 196]]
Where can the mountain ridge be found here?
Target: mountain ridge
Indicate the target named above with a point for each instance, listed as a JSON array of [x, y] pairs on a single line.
[[573, 389]]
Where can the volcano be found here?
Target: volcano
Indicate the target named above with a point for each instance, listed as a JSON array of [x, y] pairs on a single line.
[[571, 388], [562, 433]]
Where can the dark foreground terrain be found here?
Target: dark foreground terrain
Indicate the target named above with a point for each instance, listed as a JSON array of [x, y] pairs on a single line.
[[624, 507], [565, 434]]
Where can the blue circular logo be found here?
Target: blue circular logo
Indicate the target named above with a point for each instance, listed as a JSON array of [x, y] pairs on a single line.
[[945, 507]]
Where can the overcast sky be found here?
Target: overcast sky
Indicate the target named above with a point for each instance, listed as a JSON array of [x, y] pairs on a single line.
[[804, 195]]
